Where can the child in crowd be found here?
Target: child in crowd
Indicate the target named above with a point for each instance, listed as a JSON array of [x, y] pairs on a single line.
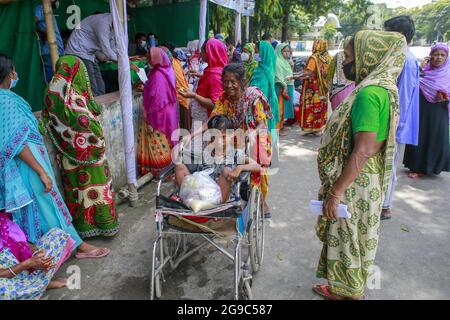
[[226, 161]]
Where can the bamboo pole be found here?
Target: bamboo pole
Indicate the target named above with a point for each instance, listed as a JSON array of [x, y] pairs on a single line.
[[120, 8], [51, 35]]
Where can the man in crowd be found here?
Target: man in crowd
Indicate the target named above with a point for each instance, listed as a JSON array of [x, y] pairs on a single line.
[[408, 91], [41, 28], [95, 33], [141, 44]]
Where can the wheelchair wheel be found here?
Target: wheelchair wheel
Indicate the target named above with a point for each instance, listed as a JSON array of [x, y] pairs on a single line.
[[256, 230], [155, 278]]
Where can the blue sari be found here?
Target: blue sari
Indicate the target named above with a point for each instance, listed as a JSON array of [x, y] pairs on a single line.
[[21, 189]]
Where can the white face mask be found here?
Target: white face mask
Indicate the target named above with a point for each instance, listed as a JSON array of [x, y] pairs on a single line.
[[143, 44], [245, 56]]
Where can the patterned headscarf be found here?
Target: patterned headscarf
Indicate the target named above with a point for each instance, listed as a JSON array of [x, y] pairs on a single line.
[[322, 61], [251, 64], [284, 69]]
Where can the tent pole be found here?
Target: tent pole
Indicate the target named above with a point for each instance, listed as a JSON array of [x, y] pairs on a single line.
[[127, 123], [202, 24], [247, 29], [51, 35]]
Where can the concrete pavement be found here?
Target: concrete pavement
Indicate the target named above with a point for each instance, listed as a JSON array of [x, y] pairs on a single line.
[[413, 254]]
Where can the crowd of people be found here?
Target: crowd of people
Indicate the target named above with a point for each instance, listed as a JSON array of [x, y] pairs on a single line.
[[381, 99]]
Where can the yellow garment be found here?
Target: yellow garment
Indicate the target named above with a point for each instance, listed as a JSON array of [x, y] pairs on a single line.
[[181, 83], [319, 63]]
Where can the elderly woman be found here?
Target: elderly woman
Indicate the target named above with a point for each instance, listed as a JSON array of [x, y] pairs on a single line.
[[27, 183], [355, 161], [249, 110], [27, 271], [432, 155]]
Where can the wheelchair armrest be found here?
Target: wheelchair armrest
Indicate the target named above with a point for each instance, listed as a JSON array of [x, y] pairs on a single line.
[[164, 173]]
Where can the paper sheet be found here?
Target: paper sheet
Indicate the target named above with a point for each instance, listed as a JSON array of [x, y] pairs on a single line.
[[316, 209], [142, 75]]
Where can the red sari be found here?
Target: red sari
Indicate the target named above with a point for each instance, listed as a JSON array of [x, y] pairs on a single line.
[[314, 100]]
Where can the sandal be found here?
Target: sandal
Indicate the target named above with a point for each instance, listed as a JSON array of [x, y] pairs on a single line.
[[94, 254], [267, 215], [414, 175], [323, 291]]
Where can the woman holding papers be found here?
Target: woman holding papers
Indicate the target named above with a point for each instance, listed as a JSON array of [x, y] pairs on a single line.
[[355, 161]]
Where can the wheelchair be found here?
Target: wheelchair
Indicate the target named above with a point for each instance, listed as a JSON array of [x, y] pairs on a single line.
[[234, 228]]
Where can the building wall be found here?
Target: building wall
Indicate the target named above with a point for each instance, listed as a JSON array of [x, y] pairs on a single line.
[[111, 121]]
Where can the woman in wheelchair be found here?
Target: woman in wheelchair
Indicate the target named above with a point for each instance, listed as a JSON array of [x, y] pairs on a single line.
[[249, 110], [226, 162]]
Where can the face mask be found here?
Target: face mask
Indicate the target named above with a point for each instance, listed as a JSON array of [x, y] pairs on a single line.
[[14, 82], [348, 72], [256, 57], [143, 43], [245, 56]]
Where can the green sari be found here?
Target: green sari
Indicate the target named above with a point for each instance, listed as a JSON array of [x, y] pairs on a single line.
[[264, 79], [70, 119], [349, 245]]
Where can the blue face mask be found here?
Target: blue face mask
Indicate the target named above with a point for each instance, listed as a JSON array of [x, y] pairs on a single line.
[[14, 82], [256, 57]]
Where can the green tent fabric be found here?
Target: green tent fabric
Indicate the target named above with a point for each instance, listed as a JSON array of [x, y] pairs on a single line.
[[175, 23], [18, 40]]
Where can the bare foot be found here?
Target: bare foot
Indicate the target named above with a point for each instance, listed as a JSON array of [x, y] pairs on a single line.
[[57, 283], [414, 175]]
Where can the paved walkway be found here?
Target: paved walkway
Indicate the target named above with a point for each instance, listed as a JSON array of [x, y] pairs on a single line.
[[413, 254]]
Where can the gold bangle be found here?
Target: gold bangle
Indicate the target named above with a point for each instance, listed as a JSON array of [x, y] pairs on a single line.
[[334, 196]]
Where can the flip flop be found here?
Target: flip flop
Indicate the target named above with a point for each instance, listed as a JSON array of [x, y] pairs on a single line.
[[323, 291], [93, 254]]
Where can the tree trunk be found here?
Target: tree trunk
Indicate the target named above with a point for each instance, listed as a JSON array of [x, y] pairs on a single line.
[[284, 27]]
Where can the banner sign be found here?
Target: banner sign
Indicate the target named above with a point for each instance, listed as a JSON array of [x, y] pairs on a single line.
[[244, 7]]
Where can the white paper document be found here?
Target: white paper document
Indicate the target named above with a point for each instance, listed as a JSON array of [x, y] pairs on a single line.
[[316, 209], [142, 75]]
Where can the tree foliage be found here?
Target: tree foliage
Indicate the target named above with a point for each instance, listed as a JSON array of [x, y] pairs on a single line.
[[432, 21], [353, 15], [329, 32]]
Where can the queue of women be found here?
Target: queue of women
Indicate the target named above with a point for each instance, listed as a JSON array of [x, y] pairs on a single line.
[[40, 229]]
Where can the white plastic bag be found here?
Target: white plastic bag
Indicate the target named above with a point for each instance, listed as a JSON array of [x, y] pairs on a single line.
[[200, 192]]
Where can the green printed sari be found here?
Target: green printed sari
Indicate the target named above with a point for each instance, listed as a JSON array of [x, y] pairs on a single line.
[[349, 245], [70, 119]]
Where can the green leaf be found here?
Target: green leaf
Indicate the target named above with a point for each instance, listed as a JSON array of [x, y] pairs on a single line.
[[404, 228]]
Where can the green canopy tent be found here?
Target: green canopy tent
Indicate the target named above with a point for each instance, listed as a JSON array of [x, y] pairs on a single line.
[[174, 22]]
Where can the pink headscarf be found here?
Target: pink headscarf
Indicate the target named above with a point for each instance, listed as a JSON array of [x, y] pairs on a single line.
[[160, 94], [436, 79], [13, 238], [210, 84]]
